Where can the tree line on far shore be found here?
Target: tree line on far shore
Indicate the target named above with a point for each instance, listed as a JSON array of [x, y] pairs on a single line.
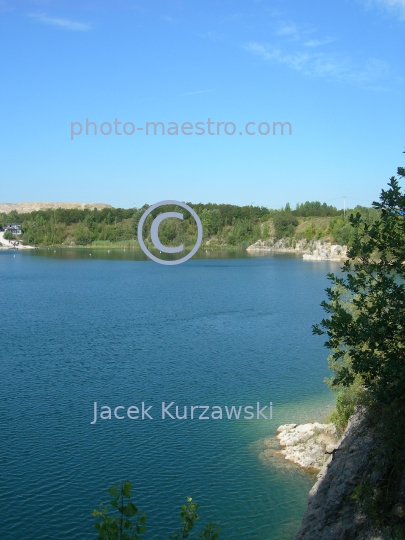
[[223, 225]]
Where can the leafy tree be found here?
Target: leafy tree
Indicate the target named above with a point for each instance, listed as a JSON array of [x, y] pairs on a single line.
[[341, 231], [168, 230], [315, 208], [138, 213], [367, 335], [284, 224], [216, 220], [83, 235], [206, 222], [265, 231], [89, 219], [13, 217], [243, 230], [108, 219]]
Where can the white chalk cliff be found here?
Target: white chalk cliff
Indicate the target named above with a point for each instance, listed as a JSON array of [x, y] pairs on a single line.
[[315, 250]]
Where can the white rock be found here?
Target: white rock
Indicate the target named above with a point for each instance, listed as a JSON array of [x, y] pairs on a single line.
[[316, 250], [306, 444]]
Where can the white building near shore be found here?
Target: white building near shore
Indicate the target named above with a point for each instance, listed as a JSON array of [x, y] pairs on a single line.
[[14, 228]]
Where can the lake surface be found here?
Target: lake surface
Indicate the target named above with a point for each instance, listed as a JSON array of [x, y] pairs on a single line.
[[118, 330]]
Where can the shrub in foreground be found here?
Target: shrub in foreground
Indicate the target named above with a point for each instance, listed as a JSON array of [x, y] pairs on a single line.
[[127, 524]]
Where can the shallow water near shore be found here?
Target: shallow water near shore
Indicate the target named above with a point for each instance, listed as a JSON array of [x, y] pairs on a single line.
[[85, 326]]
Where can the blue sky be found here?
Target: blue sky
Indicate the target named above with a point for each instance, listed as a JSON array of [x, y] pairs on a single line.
[[333, 69]]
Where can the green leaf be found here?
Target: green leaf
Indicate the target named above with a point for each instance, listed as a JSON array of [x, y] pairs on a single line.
[[130, 510], [113, 491], [126, 489]]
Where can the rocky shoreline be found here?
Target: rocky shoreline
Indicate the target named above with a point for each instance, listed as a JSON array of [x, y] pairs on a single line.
[[306, 444], [342, 466], [332, 511], [315, 250]]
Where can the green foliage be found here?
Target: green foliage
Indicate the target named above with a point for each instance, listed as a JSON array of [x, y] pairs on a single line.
[[12, 217], [315, 208], [372, 334], [123, 526], [126, 524], [265, 232], [189, 517], [347, 399], [284, 224], [211, 532], [366, 338], [8, 235], [83, 235], [138, 212], [225, 214], [243, 232], [372, 501], [223, 224], [341, 230], [311, 232]]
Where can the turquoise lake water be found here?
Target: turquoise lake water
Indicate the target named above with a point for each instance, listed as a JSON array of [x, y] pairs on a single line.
[[118, 330]]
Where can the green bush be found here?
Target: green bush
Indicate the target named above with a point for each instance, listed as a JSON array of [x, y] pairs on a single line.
[[347, 399], [284, 224], [265, 232], [127, 524], [83, 235]]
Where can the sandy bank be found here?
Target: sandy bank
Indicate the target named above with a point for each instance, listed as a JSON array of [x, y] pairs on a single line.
[[7, 244]]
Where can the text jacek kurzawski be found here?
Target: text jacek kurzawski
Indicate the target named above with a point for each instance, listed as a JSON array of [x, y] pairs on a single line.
[[171, 411]]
